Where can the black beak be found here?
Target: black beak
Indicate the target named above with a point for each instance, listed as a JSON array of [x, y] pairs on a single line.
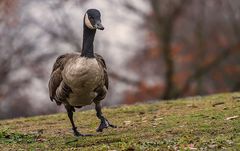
[[98, 25]]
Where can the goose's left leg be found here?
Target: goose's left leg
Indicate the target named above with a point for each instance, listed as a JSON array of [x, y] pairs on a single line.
[[104, 122]]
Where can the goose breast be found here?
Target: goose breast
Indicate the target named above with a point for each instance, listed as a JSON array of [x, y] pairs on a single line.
[[83, 76]]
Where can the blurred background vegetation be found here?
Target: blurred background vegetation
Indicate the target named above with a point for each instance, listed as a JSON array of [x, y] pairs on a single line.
[[154, 49]]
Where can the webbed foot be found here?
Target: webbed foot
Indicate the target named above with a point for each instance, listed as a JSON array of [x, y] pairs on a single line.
[[105, 124], [78, 134]]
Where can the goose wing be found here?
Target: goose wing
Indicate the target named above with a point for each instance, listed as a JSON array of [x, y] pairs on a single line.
[[102, 63], [101, 89], [56, 78]]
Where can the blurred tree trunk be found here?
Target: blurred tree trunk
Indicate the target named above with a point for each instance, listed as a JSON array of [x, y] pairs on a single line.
[[163, 27]]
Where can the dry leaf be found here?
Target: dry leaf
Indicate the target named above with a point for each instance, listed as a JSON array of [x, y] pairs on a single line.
[[127, 122], [218, 103], [232, 117], [157, 119]]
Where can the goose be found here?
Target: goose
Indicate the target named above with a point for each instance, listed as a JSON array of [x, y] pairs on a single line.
[[80, 79]]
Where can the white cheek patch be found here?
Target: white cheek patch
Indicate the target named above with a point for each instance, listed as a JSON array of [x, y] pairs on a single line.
[[88, 23]]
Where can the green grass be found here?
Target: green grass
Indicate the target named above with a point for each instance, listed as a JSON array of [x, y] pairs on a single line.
[[196, 123]]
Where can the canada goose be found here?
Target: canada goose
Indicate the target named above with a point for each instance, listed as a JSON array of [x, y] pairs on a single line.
[[78, 79]]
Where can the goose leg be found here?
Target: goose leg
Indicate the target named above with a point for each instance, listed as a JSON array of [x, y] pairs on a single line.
[[104, 122], [70, 111]]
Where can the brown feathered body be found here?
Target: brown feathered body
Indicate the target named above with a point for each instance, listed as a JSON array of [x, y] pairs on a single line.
[[77, 80]]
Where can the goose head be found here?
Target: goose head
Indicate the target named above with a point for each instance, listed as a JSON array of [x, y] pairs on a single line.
[[92, 19]]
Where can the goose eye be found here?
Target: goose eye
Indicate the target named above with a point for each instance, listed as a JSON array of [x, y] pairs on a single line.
[[90, 17]]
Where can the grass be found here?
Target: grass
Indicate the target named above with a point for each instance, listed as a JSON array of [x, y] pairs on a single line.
[[196, 123]]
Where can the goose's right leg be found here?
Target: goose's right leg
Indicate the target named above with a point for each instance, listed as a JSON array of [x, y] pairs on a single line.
[[70, 110]]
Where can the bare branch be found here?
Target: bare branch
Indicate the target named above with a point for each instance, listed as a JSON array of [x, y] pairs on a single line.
[[124, 79], [203, 70]]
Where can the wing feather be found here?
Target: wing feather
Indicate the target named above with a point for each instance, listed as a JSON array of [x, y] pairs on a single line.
[[56, 78], [102, 89], [103, 65]]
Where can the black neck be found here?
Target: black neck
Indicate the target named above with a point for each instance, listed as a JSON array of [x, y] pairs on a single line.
[[88, 38]]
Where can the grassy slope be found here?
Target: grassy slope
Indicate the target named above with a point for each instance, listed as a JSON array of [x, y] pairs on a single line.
[[192, 123]]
